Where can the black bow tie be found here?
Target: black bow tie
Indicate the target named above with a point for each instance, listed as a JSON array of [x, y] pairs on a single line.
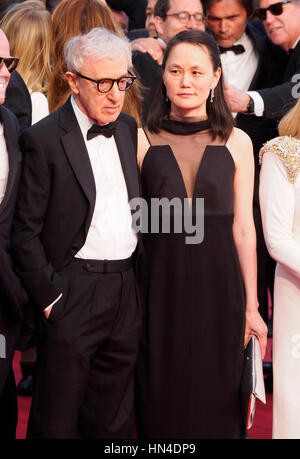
[[107, 130], [237, 49]]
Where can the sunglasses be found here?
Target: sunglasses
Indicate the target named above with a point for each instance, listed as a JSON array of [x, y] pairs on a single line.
[[10, 62], [275, 9]]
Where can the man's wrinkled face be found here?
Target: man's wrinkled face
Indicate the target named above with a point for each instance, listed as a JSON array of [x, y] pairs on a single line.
[[283, 29], [100, 107]]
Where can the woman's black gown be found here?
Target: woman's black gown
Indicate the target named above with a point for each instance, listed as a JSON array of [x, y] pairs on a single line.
[[190, 365]]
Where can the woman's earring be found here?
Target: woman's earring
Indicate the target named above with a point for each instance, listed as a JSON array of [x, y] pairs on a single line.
[[167, 98], [212, 95]]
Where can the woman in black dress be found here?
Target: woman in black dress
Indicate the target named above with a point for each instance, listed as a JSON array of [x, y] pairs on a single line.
[[201, 303]]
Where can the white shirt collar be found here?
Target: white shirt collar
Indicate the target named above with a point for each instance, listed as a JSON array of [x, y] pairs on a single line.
[[244, 40], [296, 42], [83, 120]]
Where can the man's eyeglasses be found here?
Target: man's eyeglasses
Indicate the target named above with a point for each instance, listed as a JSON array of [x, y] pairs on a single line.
[[184, 17], [10, 62], [276, 9], [105, 84]]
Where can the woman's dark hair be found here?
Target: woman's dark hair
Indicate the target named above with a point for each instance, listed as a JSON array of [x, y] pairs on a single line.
[[219, 115]]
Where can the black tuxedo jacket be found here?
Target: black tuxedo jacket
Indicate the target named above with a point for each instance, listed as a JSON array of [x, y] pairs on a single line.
[[57, 197], [269, 72], [280, 98], [12, 296]]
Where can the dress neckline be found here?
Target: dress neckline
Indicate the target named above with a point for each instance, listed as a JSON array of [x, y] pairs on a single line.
[[184, 128]]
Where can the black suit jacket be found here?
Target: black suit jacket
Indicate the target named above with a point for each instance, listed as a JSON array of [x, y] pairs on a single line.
[[57, 197], [269, 72], [279, 98], [12, 296], [18, 100]]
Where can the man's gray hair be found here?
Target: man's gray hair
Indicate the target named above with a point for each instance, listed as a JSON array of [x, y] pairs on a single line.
[[98, 43]]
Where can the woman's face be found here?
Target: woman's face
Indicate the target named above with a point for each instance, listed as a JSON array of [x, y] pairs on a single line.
[[189, 76]]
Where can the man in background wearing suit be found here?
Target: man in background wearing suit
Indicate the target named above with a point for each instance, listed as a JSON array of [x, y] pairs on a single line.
[[249, 61], [281, 21], [75, 248], [12, 297]]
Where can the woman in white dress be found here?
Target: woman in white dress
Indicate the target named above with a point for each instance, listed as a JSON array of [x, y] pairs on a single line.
[[280, 210], [28, 29]]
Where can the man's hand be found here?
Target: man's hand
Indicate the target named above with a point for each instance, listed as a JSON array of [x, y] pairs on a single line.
[[237, 100], [151, 46]]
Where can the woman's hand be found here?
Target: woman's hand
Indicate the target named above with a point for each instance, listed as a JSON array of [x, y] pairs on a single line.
[[255, 325]]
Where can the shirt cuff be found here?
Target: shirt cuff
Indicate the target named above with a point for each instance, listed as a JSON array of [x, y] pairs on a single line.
[[52, 304], [259, 106]]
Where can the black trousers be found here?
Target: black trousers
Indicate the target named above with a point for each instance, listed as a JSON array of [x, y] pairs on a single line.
[[87, 357], [8, 392]]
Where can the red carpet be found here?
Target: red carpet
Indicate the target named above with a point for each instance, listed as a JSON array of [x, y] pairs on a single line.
[[262, 427]]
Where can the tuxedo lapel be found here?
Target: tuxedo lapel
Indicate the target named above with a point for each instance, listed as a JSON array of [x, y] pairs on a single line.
[[258, 41], [75, 149], [14, 157], [128, 159], [292, 63]]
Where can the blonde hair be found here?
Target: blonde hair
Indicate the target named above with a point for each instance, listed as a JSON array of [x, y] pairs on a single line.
[[71, 18], [290, 123], [28, 30]]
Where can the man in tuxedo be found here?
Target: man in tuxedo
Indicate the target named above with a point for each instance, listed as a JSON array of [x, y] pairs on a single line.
[[244, 45], [75, 248], [12, 296], [281, 21]]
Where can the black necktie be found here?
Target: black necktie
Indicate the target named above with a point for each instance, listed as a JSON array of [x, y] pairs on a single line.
[[107, 130], [237, 49]]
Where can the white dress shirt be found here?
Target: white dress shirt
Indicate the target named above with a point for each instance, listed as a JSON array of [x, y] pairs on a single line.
[[239, 70], [4, 165], [110, 236]]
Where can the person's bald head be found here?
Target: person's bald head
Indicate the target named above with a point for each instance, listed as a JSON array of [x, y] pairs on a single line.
[[4, 45]]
